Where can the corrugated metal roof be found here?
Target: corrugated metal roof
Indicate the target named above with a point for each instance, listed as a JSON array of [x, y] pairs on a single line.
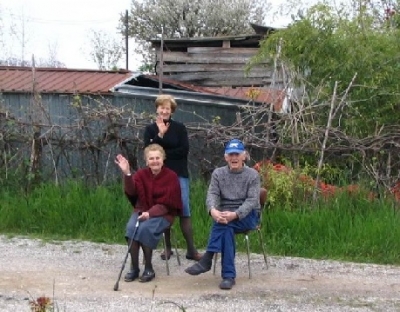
[[259, 95], [180, 95], [180, 84], [60, 80]]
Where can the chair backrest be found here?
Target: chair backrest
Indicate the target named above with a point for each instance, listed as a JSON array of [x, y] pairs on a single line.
[[263, 197]]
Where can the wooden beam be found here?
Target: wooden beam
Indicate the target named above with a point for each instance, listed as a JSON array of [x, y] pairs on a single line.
[[221, 50], [228, 82], [226, 44], [190, 68], [218, 75], [207, 58], [235, 41]]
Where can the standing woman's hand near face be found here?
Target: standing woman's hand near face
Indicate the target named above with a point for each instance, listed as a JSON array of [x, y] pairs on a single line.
[[162, 127]]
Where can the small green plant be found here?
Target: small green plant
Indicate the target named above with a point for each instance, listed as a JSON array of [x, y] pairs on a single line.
[[179, 306], [41, 304]]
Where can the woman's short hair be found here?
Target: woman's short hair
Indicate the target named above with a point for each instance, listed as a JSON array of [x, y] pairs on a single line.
[[153, 148], [162, 98]]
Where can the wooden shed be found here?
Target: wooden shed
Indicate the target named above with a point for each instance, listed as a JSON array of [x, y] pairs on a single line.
[[214, 61]]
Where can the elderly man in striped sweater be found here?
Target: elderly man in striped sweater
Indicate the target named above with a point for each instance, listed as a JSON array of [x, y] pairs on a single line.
[[233, 201]]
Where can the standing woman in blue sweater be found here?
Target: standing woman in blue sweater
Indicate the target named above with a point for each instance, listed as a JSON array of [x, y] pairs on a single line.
[[172, 136]]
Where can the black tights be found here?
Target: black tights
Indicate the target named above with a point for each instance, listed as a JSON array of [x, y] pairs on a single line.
[[147, 252], [187, 231]]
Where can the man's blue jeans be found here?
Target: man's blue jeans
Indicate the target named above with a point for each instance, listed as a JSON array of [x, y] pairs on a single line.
[[222, 240]]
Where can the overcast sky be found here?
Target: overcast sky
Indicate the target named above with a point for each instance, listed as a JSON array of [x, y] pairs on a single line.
[[63, 25]]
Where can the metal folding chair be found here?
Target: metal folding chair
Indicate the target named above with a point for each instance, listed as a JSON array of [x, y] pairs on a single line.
[[263, 203], [165, 250]]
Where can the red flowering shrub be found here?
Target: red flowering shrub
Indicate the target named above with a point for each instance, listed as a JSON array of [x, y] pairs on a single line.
[[279, 178]]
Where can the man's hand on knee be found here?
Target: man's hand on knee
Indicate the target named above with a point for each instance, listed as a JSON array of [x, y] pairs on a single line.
[[229, 215], [217, 216]]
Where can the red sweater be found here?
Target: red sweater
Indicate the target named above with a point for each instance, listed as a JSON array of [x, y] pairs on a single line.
[[159, 195]]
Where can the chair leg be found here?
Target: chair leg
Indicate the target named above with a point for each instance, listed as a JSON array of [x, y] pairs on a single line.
[[262, 247], [248, 253], [246, 237], [176, 247], [165, 252], [215, 262]]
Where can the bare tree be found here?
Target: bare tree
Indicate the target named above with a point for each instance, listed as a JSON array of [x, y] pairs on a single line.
[[106, 51], [52, 60], [20, 32], [14, 38], [1, 30]]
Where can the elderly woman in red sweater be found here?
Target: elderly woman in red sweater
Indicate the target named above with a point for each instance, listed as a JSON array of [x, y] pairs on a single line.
[[156, 198]]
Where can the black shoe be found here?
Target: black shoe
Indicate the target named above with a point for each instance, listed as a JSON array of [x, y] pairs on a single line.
[[227, 283], [198, 268], [131, 275], [147, 276], [169, 253], [196, 256]]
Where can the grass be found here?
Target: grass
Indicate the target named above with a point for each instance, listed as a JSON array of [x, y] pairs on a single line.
[[344, 228], [71, 212]]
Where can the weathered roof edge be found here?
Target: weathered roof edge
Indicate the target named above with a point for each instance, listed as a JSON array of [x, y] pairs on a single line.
[[263, 30], [29, 68], [201, 98], [205, 39], [259, 30], [133, 76]]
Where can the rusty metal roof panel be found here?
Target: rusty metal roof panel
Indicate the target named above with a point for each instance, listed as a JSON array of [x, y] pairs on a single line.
[[260, 95], [60, 80]]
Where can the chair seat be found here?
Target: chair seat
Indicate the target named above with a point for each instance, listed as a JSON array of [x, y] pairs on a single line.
[[258, 227]]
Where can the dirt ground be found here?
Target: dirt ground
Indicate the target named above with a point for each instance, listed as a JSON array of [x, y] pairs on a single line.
[[80, 276]]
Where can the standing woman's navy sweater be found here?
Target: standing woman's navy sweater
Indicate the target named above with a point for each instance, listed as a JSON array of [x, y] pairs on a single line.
[[175, 143]]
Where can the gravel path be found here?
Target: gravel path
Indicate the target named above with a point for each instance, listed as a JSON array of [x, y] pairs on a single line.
[[83, 274]]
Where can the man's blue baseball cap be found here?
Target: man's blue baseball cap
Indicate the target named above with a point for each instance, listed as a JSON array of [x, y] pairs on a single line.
[[234, 146]]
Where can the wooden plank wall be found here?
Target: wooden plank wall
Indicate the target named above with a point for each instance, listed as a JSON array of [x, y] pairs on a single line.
[[215, 66]]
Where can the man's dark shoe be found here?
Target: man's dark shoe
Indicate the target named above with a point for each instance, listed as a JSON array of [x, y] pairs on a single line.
[[131, 275], [227, 283], [198, 268], [147, 276]]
